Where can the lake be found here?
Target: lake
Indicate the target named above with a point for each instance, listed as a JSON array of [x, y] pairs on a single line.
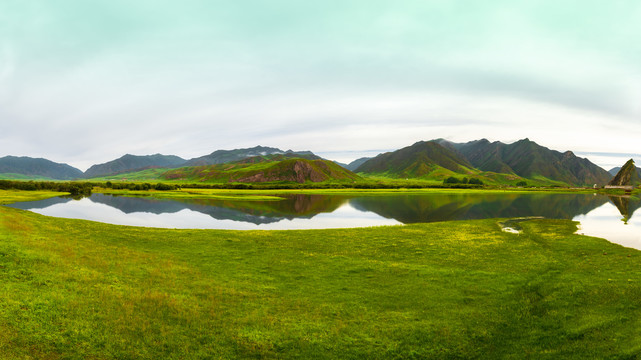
[[600, 215]]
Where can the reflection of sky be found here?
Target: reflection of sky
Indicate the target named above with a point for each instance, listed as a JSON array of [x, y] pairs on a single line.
[[607, 222], [344, 217]]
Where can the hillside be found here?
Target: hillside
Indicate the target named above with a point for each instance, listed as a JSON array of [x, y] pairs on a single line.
[[258, 170], [132, 163], [227, 156], [627, 175], [616, 170], [14, 167], [422, 159], [530, 160]]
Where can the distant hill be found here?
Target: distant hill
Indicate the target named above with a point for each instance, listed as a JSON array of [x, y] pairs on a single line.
[[131, 163], [627, 175], [31, 168], [616, 170], [277, 168], [226, 156], [356, 163], [530, 160], [419, 160]]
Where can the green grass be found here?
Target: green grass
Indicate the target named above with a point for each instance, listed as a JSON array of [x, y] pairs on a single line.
[[12, 196], [76, 289], [216, 194], [437, 176], [12, 176], [143, 175]]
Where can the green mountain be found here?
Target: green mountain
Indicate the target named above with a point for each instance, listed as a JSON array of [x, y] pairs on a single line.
[[13, 167], [616, 170], [132, 163], [227, 156], [424, 158], [527, 159], [274, 168], [627, 175]]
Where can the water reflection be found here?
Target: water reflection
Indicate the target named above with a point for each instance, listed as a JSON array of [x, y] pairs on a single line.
[[614, 221], [458, 206], [320, 211]]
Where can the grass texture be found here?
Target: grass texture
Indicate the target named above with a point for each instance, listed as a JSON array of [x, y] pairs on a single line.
[[74, 289]]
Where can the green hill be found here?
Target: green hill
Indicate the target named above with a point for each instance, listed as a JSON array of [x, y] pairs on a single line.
[[131, 163], [616, 170], [227, 156], [527, 159], [421, 160], [26, 168], [277, 168], [627, 175]]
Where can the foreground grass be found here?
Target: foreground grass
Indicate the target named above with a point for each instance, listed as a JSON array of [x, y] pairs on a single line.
[[12, 196], [78, 289]]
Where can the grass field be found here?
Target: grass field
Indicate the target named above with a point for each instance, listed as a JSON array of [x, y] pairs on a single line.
[[75, 289]]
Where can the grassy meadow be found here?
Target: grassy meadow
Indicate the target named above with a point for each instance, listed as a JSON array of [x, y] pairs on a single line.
[[74, 289]]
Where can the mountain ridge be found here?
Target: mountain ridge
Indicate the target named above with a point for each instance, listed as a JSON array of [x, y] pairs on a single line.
[[528, 159], [37, 167], [417, 160], [269, 168], [130, 163], [226, 156]]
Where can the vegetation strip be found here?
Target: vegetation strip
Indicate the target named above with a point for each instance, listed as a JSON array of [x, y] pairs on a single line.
[[462, 289]]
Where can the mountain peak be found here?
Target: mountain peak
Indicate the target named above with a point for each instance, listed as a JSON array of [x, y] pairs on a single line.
[[626, 176], [417, 160], [528, 159], [226, 156]]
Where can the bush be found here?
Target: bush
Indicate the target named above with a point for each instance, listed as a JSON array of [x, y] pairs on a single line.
[[163, 187], [451, 180]]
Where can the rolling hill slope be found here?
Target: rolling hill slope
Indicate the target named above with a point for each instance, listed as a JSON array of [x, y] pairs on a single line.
[[278, 168], [132, 163], [416, 161]]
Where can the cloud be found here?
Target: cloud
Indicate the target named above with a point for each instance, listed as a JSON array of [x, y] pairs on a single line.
[[90, 82]]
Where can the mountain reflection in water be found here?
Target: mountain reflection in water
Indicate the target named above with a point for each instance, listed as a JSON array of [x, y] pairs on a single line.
[[328, 211]]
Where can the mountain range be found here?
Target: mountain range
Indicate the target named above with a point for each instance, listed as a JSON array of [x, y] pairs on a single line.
[[492, 162], [416, 161], [527, 159], [287, 167], [482, 158]]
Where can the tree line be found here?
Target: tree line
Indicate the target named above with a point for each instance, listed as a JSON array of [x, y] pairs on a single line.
[[73, 188]]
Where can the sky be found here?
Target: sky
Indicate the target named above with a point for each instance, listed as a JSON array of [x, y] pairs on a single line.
[[85, 82]]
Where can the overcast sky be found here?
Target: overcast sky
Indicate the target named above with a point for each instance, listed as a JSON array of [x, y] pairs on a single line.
[[85, 82]]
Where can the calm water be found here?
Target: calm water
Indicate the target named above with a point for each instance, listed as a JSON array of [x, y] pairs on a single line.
[[607, 217]]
